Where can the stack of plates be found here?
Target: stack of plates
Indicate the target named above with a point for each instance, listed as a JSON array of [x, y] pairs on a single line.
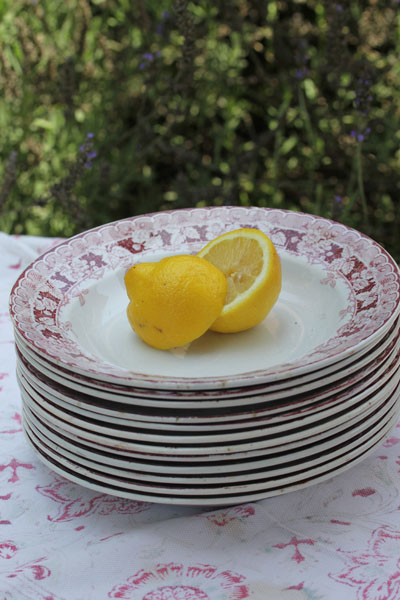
[[230, 418]]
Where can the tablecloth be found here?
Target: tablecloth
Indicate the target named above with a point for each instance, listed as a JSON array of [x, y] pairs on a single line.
[[61, 541]]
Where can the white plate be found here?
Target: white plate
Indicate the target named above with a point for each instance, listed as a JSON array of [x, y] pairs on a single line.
[[311, 378], [340, 380], [224, 500], [279, 389], [238, 440], [194, 465], [70, 303], [195, 419], [216, 446], [298, 408], [232, 463], [283, 422], [192, 494], [135, 471]]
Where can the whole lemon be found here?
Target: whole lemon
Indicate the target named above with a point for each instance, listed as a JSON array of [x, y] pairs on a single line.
[[174, 301]]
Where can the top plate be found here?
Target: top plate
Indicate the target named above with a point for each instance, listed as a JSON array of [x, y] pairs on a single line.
[[340, 290]]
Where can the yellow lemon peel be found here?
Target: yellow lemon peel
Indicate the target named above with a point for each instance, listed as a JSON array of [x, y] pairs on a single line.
[[249, 261], [174, 301]]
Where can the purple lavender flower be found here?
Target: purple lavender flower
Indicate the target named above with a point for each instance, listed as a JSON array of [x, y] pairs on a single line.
[[301, 58], [362, 88], [86, 149], [337, 207], [360, 136], [160, 25], [301, 74], [147, 58], [364, 79]]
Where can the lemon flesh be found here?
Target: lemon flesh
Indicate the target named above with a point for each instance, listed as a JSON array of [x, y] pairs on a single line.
[[174, 301], [252, 267]]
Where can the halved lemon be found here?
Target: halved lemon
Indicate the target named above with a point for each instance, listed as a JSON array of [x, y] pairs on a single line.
[[252, 267]]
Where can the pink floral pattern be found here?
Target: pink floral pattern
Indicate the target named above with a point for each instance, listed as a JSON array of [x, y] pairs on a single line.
[[14, 465], [391, 441], [5, 521], [375, 573], [15, 428], [364, 492], [74, 502], [297, 556], [175, 581], [236, 513], [59, 541], [7, 549], [34, 570]]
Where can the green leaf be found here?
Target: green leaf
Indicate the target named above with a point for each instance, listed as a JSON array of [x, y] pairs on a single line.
[[40, 123], [289, 144], [310, 89]]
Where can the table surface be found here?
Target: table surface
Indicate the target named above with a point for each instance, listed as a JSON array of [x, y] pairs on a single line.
[[60, 541]]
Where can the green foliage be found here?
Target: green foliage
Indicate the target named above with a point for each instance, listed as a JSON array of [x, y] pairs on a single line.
[[281, 103]]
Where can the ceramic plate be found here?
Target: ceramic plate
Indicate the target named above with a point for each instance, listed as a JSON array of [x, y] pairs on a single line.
[[207, 495], [214, 445], [219, 418], [302, 409], [323, 387], [212, 465], [70, 303], [303, 383], [343, 404], [131, 470]]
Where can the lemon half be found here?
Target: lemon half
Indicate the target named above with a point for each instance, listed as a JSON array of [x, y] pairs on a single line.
[[251, 265]]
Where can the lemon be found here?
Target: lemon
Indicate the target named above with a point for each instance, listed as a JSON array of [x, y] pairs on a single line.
[[249, 260], [174, 301]]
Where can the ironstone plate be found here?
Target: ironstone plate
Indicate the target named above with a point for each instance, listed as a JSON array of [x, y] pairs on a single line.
[[336, 412], [307, 408], [321, 387], [285, 386], [268, 437], [69, 304], [198, 465], [133, 469], [78, 474]]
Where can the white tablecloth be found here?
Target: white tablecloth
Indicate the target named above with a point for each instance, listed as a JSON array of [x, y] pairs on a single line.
[[59, 541]]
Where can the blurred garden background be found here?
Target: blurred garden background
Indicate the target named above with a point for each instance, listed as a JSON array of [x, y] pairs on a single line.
[[113, 108]]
